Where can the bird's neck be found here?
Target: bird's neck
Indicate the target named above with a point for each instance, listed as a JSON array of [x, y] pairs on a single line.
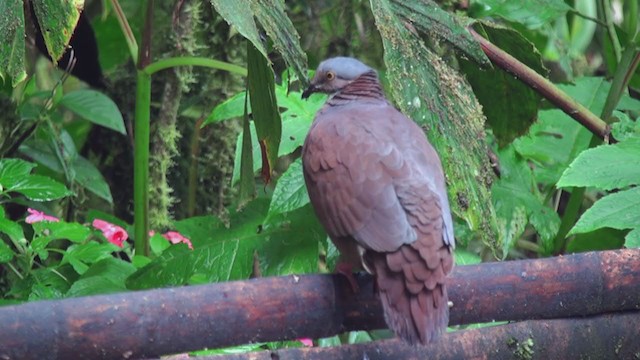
[[365, 87]]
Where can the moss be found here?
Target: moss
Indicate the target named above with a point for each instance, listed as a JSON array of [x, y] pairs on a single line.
[[522, 350]]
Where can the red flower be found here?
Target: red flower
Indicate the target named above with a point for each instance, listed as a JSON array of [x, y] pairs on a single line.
[[37, 216], [114, 233], [175, 238], [306, 342]]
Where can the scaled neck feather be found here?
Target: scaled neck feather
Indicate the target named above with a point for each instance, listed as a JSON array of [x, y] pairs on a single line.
[[366, 87]]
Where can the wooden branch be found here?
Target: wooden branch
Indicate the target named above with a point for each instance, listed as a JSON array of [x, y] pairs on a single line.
[[164, 321], [611, 336]]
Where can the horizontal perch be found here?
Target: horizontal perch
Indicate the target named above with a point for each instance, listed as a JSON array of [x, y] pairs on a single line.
[[164, 321], [610, 336]]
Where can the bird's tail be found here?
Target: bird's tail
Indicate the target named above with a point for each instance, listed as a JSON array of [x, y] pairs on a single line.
[[412, 291]]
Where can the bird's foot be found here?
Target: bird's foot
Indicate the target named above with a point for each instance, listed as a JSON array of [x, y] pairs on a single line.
[[345, 269]]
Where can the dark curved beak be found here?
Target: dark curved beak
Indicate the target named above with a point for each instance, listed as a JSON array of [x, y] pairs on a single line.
[[310, 90]]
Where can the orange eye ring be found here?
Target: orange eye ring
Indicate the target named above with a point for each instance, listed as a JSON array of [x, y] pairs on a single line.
[[330, 75]]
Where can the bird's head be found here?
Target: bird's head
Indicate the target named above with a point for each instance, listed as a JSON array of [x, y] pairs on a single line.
[[334, 74]]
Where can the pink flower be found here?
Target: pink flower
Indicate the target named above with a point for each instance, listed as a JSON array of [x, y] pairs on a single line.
[[306, 342], [175, 238], [37, 216], [114, 233]]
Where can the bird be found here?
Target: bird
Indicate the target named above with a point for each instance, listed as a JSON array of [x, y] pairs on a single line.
[[377, 186]]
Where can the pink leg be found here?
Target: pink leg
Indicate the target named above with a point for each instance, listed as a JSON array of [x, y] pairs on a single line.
[[344, 269]]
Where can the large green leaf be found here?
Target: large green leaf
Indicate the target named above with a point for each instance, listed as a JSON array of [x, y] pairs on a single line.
[[296, 121], [266, 117], [283, 244], [57, 19], [104, 277], [238, 13], [632, 241], [509, 105], [605, 167], [12, 41], [530, 13], [40, 188], [290, 192], [556, 139], [85, 173], [272, 17], [432, 20], [427, 90], [518, 203], [96, 107], [617, 211], [81, 256]]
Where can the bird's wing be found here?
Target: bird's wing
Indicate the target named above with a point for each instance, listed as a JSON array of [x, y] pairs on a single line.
[[355, 170]]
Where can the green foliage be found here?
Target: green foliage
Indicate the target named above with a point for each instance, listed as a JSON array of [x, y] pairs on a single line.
[[509, 105], [538, 148], [224, 253], [532, 14], [95, 107], [609, 167], [57, 21], [12, 42], [453, 119], [15, 176]]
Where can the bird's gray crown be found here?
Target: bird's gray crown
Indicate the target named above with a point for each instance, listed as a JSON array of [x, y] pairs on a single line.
[[344, 67]]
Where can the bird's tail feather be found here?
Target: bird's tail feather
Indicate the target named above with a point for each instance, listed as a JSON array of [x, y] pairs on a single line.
[[415, 303]]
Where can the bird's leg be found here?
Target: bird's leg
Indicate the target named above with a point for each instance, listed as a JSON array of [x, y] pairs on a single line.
[[345, 269]]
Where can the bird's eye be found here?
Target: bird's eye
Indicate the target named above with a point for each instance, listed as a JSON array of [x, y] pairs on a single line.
[[330, 75]]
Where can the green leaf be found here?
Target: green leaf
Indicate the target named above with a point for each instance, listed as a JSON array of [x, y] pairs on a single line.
[[598, 240], [71, 231], [617, 211], [80, 256], [231, 108], [57, 21], [510, 105], [605, 167], [238, 13], [13, 230], [290, 192], [632, 240], [433, 21], [624, 128], [85, 173], [296, 121], [12, 171], [89, 177], [104, 277], [466, 257], [96, 107], [290, 243], [40, 188], [6, 254], [518, 203], [556, 139], [284, 244], [531, 13], [266, 116], [271, 15], [12, 40], [158, 244], [453, 120]]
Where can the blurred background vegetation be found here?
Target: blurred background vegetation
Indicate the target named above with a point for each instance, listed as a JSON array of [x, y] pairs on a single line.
[[520, 172]]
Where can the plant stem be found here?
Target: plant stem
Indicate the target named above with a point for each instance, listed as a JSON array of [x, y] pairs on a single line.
[[141, 163], [607, 18], [544, 87], [194, 61], [126, 30]]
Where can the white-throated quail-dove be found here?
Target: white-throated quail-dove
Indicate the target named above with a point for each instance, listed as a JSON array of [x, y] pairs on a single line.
[[378, 188]]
